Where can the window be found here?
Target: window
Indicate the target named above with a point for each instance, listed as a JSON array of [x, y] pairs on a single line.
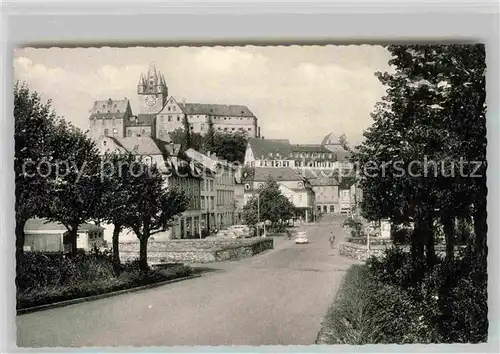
[[232, 129], [169, 118], [247, 186], [113, 121], [249, 129], [261, 185], [144, 131], [300, 185], [178, 118], [300, 198], [129, 133], [115, 132], [106, 131], [173, 108], [203, 126]]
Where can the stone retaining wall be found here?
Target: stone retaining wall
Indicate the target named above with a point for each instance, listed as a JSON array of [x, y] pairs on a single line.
[[360, 252], [196, 251]]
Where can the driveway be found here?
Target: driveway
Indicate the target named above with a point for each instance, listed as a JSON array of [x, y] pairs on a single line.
[[275, 298]]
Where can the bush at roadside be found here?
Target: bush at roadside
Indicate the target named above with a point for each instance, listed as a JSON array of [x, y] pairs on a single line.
[[44, 279], [392, 300]]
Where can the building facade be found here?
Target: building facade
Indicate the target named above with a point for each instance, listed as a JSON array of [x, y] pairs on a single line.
[[279, 153], [159, 113], [295, 187]]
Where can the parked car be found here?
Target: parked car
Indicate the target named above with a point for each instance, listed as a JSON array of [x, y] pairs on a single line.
[[240, 229], [301, 238]]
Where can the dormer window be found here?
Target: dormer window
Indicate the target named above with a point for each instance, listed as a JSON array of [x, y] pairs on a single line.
[[247, 186], [300, 185]]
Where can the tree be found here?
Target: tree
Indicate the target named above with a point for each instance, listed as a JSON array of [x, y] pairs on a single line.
[[179, 136], [268, 204], [229, 146], [434, 105], [187, 133], [33, 125], [75, 187], [152, 208], [118, 175]]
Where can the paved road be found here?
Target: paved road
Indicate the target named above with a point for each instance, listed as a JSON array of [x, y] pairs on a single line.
[[276, 298]]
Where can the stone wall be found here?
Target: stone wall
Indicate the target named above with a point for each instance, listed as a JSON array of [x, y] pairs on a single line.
[[360, 252], [196, 251]]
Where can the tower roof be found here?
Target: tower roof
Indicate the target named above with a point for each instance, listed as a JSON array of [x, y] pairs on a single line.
[[141, 80], [330, 139]]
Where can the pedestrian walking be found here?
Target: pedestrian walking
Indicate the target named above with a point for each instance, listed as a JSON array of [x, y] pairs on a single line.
[[332, 240]]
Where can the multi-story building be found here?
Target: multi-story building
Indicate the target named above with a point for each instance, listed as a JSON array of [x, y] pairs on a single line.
[[177, 172], [334, 196], [281, 153], [160, 114], [294, 186], [239, 196], [223, 179], [208, 190], [225, 202]]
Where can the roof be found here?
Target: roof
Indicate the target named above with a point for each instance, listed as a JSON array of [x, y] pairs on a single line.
[[37, 224], [205, 160], [265, 147], [330, 139], [140, 145], [109, 108], [309, 148], [324, 181], [144, 119], [217, 109], [276, 173]]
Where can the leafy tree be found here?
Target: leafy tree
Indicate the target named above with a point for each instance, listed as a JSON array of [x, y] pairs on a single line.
[[187, 133], [33, 125], [433, 107], [208, 139], [118, 176], [270, 204], [179, 136], [152, 208], [230, 146], [75, 186]]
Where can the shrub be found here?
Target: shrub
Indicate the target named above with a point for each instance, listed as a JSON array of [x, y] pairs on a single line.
[[451, 297], [368, 311]]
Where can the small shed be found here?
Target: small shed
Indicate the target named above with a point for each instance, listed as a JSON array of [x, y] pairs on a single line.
[[44, 236]]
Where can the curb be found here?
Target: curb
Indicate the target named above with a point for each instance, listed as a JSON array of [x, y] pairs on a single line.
[[101, 296]]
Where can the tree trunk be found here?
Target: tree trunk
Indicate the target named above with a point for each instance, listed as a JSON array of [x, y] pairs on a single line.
[[417, 245], [72, 235], [449, 233], [20, 238], [143, 253], [116, 250], [480, 229], [430, 253]]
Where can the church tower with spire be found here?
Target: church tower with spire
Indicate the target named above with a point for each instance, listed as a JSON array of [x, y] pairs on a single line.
[[152, 90]]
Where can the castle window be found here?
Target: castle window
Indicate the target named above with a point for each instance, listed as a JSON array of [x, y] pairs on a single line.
[[178, 118], [232, 129], [168, 108], [249, 129], [106, 131], [169, 118], [247, 186], [129, 133], [115, 132]]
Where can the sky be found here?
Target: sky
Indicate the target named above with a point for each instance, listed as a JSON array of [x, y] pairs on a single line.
[[299, 93]]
